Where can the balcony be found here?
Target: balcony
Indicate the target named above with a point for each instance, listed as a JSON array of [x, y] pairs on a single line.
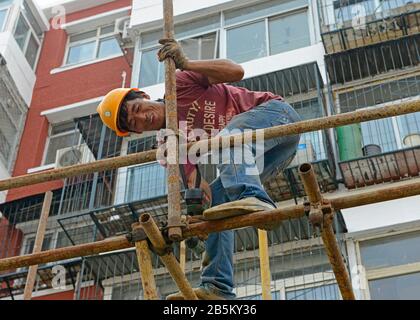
[[347, 25], [382, 150]]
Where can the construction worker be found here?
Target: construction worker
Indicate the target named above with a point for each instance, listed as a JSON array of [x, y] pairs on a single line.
[[205, 102]]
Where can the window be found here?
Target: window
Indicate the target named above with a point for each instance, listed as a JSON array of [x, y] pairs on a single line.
[[347, 10], [323, 292], [30, 243], [62, 136], [199, 39], [11, 123], [266, 35], [379, 134], [404, 287], [4, 10], [390, 251], [201, 47], [96, 44], [393, 266], [146, 182], [27, 39]]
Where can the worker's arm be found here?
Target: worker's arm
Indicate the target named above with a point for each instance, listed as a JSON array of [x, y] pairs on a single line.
[[217, 71]]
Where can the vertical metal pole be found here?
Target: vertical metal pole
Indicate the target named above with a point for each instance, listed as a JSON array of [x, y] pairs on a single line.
[[325, 220], [79, 281], [174, 188], [42, 226], [146, 268], [264, 265], [155, 236], [96, 174], [182, 255]]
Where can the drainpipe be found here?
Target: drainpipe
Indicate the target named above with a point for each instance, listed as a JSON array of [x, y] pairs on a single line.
[[124, 78]]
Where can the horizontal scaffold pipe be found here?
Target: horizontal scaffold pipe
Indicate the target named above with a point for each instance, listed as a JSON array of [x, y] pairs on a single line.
[[269, 133], [354, 199]]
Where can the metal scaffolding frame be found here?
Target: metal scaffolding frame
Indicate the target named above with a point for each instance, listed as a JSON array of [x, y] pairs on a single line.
[[320, 210]]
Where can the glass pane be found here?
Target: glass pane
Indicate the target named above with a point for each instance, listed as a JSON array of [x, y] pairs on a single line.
[[289, 33], [405, 287], [208, 46], [83, 36], [146, 182], [21, 32], [32, 20], [380, 134], [390, 251], [151, 71], [30, 243], [57, 143], [347, 10], [62, 127], [200, 48], [261, 10], [108, 47], [151, 38], [32, 51], [81, 53], [198, 26], [108, 29], [329, 292], [409, 128], [4, 3], [3, 17], [247, 42]]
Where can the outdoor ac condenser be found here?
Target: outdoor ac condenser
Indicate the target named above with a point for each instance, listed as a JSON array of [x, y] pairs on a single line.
[[73, 155]]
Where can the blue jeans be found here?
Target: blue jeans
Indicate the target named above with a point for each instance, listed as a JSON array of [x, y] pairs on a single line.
[[235, 182]]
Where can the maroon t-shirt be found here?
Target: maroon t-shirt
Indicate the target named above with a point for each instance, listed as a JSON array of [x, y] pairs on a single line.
[[211, 107], [208, 107]]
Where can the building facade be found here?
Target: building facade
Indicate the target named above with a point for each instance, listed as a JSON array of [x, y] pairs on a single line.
[[325, 57]]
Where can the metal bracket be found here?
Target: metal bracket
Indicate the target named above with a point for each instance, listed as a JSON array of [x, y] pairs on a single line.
[[320, 214], [138, 235]]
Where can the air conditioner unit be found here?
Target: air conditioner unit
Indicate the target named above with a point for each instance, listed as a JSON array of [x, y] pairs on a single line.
[[73, 155], [305, 154], [122, 26]]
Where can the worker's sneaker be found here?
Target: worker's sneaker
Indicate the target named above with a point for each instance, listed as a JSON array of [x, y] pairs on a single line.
[[236, 208], [241, 207], [205, 292]]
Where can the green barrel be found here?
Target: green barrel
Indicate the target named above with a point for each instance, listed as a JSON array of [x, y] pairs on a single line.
[[350, 142]]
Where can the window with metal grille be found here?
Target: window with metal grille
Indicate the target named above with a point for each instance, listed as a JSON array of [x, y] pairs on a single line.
[[62, 136]]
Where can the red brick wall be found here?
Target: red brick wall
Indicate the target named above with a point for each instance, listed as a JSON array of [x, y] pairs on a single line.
[[55, 90], [88, 293]]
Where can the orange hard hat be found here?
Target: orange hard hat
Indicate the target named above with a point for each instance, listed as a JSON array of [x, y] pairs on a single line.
[[109, 109]]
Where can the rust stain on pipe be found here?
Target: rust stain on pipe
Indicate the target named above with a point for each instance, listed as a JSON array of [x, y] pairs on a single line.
[[269, 133], [171, 263], [381, 194]]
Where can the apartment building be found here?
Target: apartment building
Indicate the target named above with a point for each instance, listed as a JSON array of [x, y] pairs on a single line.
[[325, 57], [22, 25]]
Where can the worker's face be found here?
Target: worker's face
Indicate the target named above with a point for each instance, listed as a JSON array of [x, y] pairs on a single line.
[[144, 114]]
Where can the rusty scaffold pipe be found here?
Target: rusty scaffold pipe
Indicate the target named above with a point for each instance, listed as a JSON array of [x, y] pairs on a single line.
[[144, 260], [167, 257], [214, 143], [203, 228], [174, 187], [321, 215]]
